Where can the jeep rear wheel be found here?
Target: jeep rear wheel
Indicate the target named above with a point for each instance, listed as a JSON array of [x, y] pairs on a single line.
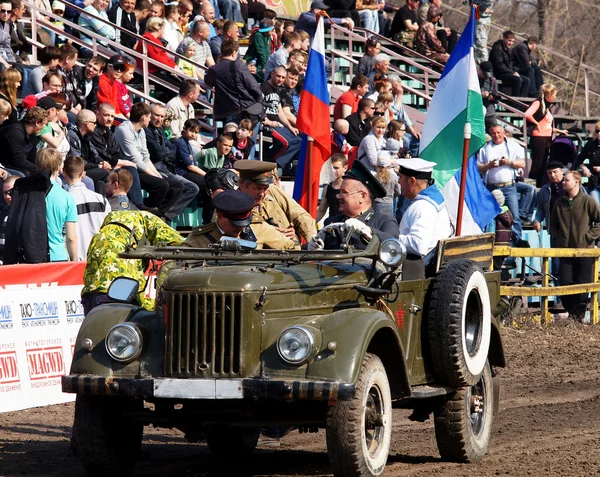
[[107, 441], [359, 431], [463, 424], [459, 323], [226, 442]]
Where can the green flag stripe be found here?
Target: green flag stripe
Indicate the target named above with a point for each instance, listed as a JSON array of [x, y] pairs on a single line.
[[447, 147]]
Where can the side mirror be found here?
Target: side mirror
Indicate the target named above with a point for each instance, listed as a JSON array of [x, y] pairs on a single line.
[[123, 290]]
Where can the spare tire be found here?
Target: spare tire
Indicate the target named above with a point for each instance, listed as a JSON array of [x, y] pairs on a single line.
[[459, 323]]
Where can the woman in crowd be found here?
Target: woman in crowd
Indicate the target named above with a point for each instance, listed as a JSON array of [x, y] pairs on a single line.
[[381, 85], [540, 116], [154, 32], [9, 83], [591, 152], [372, 143], [54, 133], [173, 34], [329, 201], [428, 43], [123, 98]]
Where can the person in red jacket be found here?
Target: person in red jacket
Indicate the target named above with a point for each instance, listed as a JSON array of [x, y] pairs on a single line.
[[154, 32], [154, 48], [108, 91]]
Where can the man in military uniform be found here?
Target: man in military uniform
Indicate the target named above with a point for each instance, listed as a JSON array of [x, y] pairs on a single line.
[[271, 203], [235, 219], [119, 230], [358, 191]]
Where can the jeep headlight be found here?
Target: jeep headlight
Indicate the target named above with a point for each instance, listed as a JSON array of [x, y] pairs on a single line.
[[296, 345], [392, 252], [124, 342]]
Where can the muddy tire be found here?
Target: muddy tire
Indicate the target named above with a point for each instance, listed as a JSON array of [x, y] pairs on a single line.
[[459, 323], [463, 424], [226, 442], [107, 441], [359, 431]]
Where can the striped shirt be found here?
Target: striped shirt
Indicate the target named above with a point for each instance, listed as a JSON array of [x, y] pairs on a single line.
[[92, 208]]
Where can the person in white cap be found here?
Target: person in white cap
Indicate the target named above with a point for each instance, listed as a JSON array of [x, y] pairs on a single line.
[[426, 221]]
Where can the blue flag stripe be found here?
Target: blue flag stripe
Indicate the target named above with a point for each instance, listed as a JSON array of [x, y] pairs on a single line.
[[463, 46]]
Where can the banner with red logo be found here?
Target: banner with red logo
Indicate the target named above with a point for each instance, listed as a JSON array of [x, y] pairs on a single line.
[[40, 315]]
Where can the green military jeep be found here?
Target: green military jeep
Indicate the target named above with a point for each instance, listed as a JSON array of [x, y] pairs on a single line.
[[246, 339]]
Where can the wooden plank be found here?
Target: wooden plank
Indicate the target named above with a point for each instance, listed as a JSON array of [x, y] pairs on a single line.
[[550, 291], [505, 251]]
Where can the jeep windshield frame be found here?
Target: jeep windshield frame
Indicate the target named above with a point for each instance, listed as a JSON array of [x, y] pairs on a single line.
[[217, 254]]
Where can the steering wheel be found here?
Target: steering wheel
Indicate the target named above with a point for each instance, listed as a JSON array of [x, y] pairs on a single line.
[[339, 230]]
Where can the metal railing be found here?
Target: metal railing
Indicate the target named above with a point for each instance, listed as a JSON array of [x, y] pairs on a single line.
[[38, 19], [545, 290]]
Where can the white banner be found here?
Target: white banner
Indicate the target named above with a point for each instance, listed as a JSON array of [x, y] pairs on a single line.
[[38, 328]]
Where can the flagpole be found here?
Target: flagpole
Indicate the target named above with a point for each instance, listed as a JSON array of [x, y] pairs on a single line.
[[309, 166], [463, 178]]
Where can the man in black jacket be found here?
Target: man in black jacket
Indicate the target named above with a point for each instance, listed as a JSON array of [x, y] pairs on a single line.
[[358, 122], [79, 136], [160, 154], [122, 14], [106, 146], [500, 56], [521, 55], [235, 87], [18, 141]]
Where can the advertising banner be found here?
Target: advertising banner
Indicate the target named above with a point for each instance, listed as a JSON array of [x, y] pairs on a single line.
[[40, 315]]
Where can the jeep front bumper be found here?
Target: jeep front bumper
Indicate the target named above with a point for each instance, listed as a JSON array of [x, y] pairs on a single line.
[[169, 388]]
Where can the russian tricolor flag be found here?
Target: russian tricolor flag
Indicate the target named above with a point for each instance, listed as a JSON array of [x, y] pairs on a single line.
[[313, 120]]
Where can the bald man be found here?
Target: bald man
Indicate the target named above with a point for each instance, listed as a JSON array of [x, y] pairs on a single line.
[[79, 137]]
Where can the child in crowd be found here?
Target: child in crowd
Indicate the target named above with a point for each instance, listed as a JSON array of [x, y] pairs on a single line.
[[389, 180], [92, 208], [58, 8], [230, 129], [169, 116], [338, 138], [243, 142], [187, 67], [395, 132], [214, 157], [5, 109], [186, 165], [329, 201], [123, 98]]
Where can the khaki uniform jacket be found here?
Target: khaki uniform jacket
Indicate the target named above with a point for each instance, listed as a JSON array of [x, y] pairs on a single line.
[[265, 235], [283, 211]]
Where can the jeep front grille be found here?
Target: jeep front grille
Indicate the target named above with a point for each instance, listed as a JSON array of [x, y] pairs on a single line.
[[203, 334]]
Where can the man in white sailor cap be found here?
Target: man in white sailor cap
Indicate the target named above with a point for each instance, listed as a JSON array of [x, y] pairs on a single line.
[[426, 221]]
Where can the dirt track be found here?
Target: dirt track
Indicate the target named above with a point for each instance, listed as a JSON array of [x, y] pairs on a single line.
[[548, 425]]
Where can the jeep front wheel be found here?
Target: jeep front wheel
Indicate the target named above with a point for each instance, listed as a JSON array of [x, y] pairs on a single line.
[[359, 431], [463, 424], [107, 441]]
